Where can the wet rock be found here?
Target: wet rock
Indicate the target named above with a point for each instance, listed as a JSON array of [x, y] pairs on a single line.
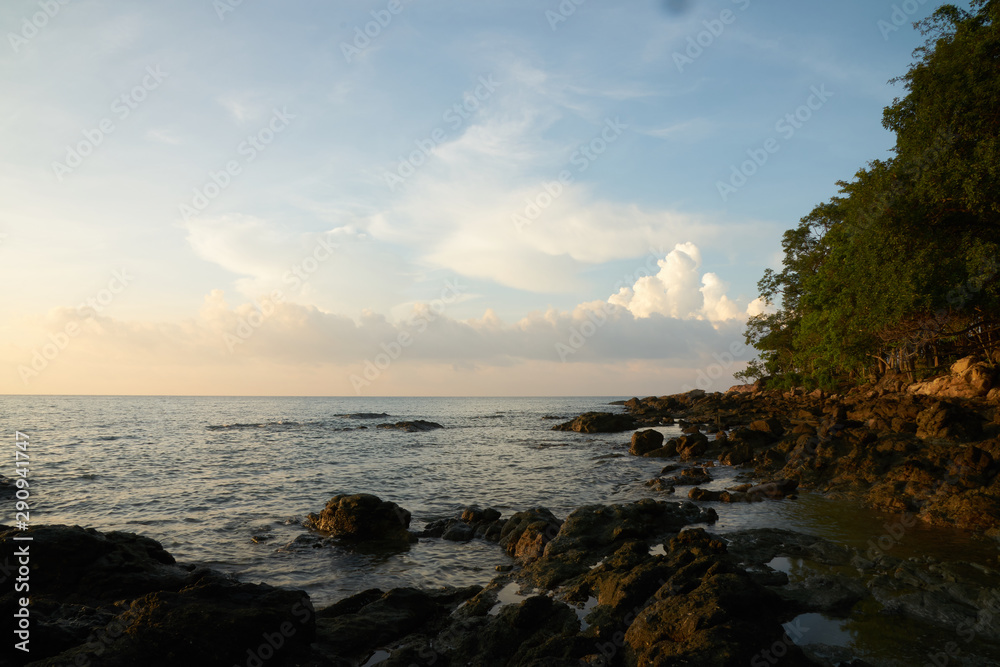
[[525, 534], [363, 517], [598, 422], [645, 441], [412, 426]]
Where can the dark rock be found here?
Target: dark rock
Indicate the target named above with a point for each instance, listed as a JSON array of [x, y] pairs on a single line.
[[692, 446], [526, 533], [598, 422], [645, 441], [412, 426], [211, 622], [88, 567], [357, 626], [363, 517]]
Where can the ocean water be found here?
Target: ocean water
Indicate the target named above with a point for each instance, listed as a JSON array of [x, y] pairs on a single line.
[[226, 482]]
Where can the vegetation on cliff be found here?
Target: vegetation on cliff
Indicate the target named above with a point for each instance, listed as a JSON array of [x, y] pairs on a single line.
[[899, 272]]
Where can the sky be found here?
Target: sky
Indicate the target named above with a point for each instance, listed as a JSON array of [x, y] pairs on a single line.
[[414, 197]]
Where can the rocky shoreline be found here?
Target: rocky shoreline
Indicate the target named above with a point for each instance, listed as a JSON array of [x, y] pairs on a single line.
[[643, 583]]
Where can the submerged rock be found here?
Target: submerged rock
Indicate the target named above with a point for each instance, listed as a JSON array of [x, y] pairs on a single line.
[[412, 426]]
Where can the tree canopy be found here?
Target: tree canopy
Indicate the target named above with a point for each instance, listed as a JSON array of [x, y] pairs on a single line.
[[899, 271]]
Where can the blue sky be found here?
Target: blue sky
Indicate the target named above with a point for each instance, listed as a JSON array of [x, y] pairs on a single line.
[[546, 157]]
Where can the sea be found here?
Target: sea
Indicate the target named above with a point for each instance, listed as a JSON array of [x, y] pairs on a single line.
[[227, 482]]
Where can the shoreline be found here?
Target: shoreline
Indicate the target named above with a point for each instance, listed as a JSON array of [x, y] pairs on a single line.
[[604, 565]]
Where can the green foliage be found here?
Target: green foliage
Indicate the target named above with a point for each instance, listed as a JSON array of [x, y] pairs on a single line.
[[901, 267]]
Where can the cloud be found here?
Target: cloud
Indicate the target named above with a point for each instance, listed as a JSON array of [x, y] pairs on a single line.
[[679, 291], [271, 334]]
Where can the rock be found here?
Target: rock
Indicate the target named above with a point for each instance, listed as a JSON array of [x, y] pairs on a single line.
[[665, 452], [708, 613], [704, 495], [737, 454], [363, 517], [85, 566], [592, 532], [412, 426], [212, 622], [473, 522], [598, 422], [121, 597], [692, 446], [526, 533], [645, 441], [948, 421], [771, 426], [775, 490], [358, 625]]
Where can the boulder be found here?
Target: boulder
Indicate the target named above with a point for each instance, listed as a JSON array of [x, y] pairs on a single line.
[[645, 441], [598, 422], [363, 517]]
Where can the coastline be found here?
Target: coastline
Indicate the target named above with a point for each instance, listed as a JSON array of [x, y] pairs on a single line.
[[602, 584]]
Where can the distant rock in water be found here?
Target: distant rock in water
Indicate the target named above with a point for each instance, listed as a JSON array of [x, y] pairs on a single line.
[[598, 422], [412, 427], [363, 517], [365, 415]]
